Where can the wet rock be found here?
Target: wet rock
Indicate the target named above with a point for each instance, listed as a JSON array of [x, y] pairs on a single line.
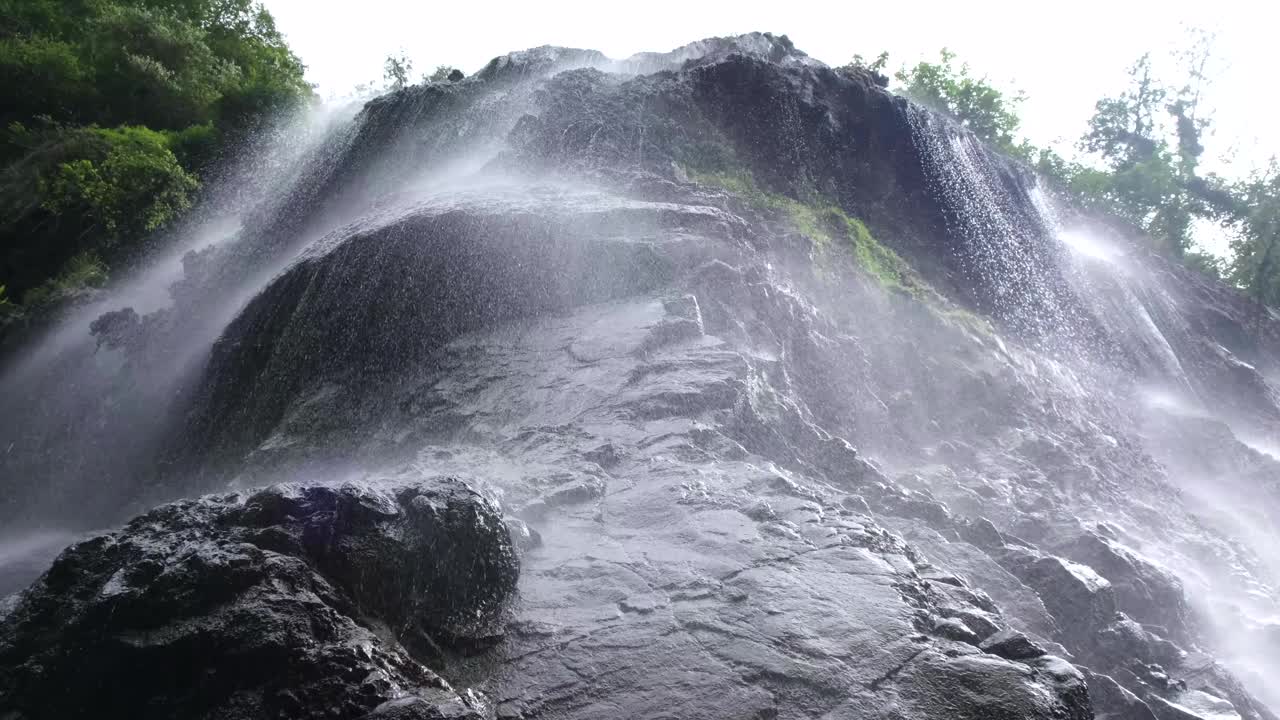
[[982, 533], [1143, 590], [983, 623], [954, 629], [1111, 701], [1080, 599], [982, 687], [294, 601], [582, 490], [662, 380], [478, 261], [1192, 705], [1011, 645], [117, 329], [523, 537], [1124, 640]]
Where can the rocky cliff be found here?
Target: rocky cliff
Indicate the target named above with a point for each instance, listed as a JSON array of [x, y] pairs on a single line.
[[797, 401]]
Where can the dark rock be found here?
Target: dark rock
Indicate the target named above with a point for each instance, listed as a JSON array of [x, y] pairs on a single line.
[[982, 533], [1143, 590], [294, 601], [1111, 701], [499, 259], [1012, 645], [978, 687], [1080, 599], [954, 629], [1124, 640]]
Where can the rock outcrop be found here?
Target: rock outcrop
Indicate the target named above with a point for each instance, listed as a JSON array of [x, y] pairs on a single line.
[[293, 601], [793, 400]]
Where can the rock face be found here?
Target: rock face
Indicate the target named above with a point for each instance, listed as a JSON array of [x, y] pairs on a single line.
[[293, 601], [794, 400]]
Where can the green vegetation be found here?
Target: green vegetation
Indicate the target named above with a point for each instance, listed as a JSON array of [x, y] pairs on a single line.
[[837, 236], [1140, 161], [113, 109], [973, 101], [829, 227]]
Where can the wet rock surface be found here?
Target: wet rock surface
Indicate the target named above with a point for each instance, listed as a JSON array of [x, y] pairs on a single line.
[[746, 475], [293, 601]]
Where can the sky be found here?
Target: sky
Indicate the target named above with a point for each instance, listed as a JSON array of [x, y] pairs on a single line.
[[1064, 56]]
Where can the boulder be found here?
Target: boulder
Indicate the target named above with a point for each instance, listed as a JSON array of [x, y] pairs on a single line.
[[1111, 701], [293, 601], [1012, 645], [1080, 599]]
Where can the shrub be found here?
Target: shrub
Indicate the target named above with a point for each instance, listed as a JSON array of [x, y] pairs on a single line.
[[84, 189], [136, 188]]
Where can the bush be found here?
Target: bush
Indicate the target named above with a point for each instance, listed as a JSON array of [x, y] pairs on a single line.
[[178, 80], [78, 190], [83, 271], [137, 188], [41, 76]]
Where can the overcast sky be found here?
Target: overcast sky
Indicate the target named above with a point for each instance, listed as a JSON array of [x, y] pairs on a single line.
[[1063, 55]]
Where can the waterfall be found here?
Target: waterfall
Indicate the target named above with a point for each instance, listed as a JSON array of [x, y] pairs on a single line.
[[793, 397], [81, 419]]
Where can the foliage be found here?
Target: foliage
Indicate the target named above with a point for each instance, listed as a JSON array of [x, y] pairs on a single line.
[[83, 271], [112, 108], [1256, 243], [162, 63], [973, 101], [875, 68], [396, 69], [444, 73], [1141, 161], [829, 227], [82, 189], [1148, 139], [137, 188]]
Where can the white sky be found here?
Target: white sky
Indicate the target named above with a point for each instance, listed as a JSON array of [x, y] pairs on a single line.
[[1064, 56]]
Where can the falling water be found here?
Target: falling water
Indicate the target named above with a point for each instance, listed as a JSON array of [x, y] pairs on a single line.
[[1091, 296], [469, 278], [79, 419]]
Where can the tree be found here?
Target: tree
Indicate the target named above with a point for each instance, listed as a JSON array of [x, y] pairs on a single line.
[[165, 63], [875, 68], [396, 69], [112, 109], [973, 101], [443, 73], [1255, 265]]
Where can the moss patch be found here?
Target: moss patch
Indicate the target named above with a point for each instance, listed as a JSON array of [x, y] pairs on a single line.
[[838, 235], [827, 225]]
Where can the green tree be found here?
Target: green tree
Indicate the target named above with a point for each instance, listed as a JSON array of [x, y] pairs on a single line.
[[164, 63], [112, 108], [974, 102], [1255, 265], [79, 190]]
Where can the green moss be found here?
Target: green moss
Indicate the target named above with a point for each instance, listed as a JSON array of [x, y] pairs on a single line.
[[837, 235], [827, 225]]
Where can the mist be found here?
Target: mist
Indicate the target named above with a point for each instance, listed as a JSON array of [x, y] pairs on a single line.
[[712, 382]]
